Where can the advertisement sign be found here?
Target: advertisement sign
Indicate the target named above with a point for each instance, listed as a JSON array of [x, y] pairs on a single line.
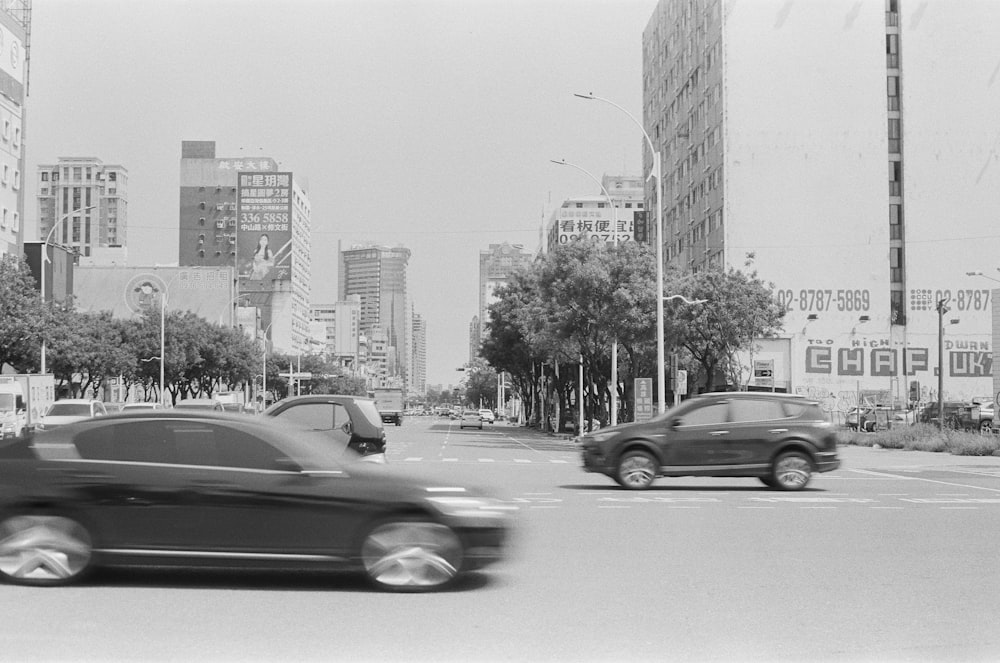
[[643, 399], [11, 59], [263, 229], [763, 372]]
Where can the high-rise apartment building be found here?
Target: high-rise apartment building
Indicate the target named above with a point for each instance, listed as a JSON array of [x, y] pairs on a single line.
[[86, 203], [418, 361], [594, 216], [846, 151], [15, 25], [242, 212], [496, 265], [377, 275]]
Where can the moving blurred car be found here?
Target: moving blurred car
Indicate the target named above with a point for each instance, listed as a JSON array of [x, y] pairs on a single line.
[[175, 488], [68, 411], [471, 419], [350, 421], [487, 416], [779, 438], [199, 404]]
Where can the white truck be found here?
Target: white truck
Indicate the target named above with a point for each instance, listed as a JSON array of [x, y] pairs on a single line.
[[389, 403], [24, 398]]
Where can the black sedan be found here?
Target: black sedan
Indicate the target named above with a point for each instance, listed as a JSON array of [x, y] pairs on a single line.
[[204, 489]]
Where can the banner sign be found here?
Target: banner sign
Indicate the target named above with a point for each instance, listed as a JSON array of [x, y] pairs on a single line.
[[263, 229], [643, 399]]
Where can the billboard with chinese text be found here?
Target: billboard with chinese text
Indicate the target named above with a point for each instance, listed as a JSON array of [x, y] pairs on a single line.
[[263, 229]]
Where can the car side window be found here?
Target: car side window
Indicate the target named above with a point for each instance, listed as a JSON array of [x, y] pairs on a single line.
[[134, 441], [712, 413], [745, 410], [212, 445], [317, 416], [340, 416]]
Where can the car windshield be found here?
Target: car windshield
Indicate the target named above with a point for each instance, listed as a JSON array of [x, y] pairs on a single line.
[[69, 410], [370, 412], [207, 405]]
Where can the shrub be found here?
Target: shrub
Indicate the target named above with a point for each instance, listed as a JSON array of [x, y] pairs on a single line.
[[926, 437]]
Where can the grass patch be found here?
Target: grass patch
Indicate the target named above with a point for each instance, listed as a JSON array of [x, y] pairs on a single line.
[[925, 437]]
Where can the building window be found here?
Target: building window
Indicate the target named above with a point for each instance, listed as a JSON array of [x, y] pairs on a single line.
[[45, 177], [894, 135], [892, 89], [892, 51], [895, 178], [112, 176], [17, 136], [897, 312], [896, 264], [895, 222], [77, 173]]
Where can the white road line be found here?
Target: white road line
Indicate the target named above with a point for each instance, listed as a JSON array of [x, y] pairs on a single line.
[[554, 460], [521, 460], [487, 460], [412, 460], [449, 460], [886, 475]]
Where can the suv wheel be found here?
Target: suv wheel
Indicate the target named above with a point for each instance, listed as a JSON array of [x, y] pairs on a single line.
[[411, 555], [636, 470], [985, 426], [791, 471]]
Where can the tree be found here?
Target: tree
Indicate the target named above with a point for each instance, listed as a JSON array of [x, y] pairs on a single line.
[[481, 384], [739, 308], [23, 319]]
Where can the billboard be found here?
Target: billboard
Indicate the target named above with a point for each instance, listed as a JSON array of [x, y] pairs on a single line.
[[596, 224], [129, 291], [12, 62], [263, 229]]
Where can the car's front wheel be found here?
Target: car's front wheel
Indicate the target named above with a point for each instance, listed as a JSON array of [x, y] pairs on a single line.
[[39, 549], [986, 426], [791, 471], [636, 470], [412, 555]]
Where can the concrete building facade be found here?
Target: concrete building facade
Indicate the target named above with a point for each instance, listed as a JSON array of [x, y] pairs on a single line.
[[15, 24], [847, 152], [86, 203]]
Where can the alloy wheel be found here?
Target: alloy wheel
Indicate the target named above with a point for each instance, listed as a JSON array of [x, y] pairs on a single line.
[[43, 549], [636, 470], [411, 555], [792, 471]]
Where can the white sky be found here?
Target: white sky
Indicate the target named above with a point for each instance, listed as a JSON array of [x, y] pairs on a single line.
[[427, 124]]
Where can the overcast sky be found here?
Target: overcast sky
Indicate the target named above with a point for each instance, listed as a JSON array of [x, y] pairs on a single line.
[[423, 123]]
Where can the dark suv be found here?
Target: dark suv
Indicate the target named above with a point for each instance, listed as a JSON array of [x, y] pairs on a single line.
[[780, 439], [352, 421]]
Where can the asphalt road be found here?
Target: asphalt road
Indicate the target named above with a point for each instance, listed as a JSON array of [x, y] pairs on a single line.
[[891, 558]]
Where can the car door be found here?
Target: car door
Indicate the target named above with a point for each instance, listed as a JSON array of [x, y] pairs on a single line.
[[249, 498], [755, 425], [696, 438]]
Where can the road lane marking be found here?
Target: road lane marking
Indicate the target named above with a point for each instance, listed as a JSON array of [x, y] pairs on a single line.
[[487, 460], [413, 460], [554, 460], [886, 475], [450, 460], [521, 460]]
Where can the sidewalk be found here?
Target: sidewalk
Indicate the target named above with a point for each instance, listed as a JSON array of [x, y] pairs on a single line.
[[868, 457]]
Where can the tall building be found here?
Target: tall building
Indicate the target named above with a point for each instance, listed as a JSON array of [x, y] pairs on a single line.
[[242, 212], [342, 325], [418, 372], [86, 203], [496, 265], [847, 151], [475, 337], [15, 26], [377, 275], [593, 216]]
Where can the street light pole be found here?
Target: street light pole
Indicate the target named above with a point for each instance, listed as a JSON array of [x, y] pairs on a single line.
[[614, 342], [658, 174], [45, 259], [942, 308]]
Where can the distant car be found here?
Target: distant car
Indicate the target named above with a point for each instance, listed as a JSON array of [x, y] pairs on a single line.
[[113, 408], [487, 416], [197, 489], [350, 421], [199, 404], [471, 419], [70, 410], [929, 413], [235, 408], [146, 405], [779, 438]]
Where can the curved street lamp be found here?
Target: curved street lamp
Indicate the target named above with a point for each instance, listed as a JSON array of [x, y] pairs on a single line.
[[614, 233], [45, 259], [658, 174]]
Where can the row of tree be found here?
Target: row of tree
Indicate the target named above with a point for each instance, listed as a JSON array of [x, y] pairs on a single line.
[[569, 306], [84, 349]]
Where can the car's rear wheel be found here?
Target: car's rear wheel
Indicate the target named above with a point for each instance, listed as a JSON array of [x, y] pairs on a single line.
[[636, 470], [40, 549], [412, 555], [791, 471], [986, 426]]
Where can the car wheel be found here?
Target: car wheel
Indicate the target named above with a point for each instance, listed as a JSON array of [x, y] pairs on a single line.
[[40, 549], [985, 426], [791, 471], [411, 555], [636, 470]]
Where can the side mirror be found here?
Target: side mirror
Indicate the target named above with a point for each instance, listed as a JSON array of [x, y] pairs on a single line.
[[675, 422], [347, 428]]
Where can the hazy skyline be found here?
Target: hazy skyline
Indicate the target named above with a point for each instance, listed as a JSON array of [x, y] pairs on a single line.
[[427, 124]]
